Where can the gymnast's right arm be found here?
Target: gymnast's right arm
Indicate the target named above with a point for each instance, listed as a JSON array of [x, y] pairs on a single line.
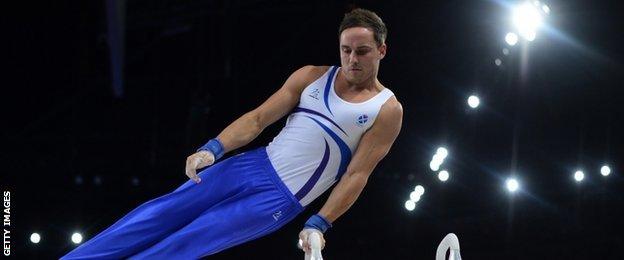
[[246, 128]]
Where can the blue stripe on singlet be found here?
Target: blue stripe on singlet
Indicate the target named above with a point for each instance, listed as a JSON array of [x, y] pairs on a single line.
[[345, 152], [310, 111], [327, 85], [307, 187]]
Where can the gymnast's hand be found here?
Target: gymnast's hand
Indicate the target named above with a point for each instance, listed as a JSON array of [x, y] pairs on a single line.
[[196, 161], [304, 235]]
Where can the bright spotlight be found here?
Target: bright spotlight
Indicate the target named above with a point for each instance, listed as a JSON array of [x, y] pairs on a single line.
[[546, 9], [498, 62], [35, 238], [414, 196], [527, 20], [512, 185], [419, 190], [605, 170], [443, 176], [442, 152], [76, 238], [438, 158], [434, 165], [579, 176], [511, 39], [473, 101], [410, 205]]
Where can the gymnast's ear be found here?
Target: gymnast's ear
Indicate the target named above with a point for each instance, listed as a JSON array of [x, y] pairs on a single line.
[[382, 50]]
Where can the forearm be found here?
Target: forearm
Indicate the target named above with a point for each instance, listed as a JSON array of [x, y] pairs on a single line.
[[240, 132], [343, 196]]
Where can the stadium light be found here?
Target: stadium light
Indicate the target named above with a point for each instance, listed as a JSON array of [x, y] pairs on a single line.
[[605, 170], [443, 176], [410, 205], [511, 39], [76, 238], [512, 185], [579, 176], [419, 190], [527, 19], [473, 101], [35, 238]]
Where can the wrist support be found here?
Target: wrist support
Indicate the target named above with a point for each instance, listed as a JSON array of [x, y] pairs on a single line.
[[214, 146], [318, 222]]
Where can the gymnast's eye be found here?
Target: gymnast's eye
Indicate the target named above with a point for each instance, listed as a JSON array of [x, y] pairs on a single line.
[[361, 52], [346, 50]]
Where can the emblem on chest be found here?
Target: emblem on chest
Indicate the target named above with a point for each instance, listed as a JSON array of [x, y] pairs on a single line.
[[314, 94], [361, 120]]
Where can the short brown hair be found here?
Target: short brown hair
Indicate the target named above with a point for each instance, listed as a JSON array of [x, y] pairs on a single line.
[[364, 18]]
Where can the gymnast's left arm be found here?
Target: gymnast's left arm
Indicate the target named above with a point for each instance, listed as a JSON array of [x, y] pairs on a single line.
[[374, 145]]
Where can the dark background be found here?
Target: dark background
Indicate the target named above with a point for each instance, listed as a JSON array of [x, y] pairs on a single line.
[[77, 157]]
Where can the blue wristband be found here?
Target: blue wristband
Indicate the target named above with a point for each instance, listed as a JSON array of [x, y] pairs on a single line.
[[318, 222], [214, 146]]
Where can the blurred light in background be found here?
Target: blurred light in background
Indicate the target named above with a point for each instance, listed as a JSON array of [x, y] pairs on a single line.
[[512, 185], [410, 205], [420, 190], [605, 170], [442, 152], [415, 196], [443, 176], [438, 158], [473, 101], [527, 19], [35, 238], [579, 176], [76, 238], [511, 39]]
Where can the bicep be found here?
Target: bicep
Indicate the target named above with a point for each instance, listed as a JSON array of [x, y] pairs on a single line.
[[284, 99], [377, 141]]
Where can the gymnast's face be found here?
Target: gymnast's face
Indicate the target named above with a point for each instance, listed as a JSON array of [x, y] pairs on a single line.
[[359, 54]]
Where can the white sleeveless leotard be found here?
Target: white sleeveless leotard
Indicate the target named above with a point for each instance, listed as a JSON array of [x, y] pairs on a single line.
[[321, 134]]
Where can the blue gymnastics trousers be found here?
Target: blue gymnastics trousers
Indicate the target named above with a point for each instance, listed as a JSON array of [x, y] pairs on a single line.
[[238, 200]]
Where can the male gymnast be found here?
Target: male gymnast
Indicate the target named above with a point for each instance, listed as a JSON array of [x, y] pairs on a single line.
[[342, 122]]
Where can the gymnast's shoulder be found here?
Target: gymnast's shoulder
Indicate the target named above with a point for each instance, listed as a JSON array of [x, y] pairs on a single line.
[[308, 74]]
